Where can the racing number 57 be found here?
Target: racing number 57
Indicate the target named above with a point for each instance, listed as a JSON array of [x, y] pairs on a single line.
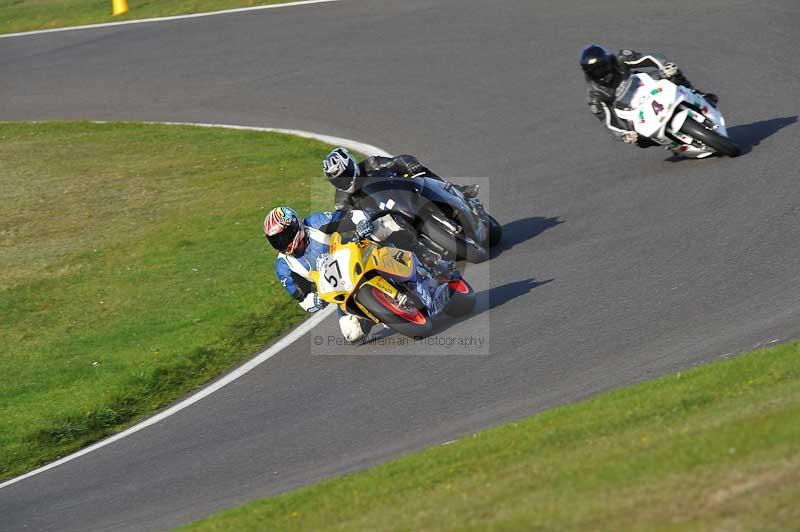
[[333, 278]]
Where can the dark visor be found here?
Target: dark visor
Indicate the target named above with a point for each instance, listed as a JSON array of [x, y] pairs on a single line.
[[282, 240], [599, 69], [342, 182]]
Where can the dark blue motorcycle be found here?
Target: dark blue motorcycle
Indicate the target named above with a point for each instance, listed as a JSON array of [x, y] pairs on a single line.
[[446, 222]]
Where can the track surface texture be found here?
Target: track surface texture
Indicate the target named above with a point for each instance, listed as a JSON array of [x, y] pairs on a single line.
[[653, 265]]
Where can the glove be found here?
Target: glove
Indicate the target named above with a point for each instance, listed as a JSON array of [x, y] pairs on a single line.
[[312, 303], [670, 69], [363, 229], [630, 137]]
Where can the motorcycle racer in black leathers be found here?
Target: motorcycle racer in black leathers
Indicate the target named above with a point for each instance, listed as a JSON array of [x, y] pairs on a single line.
[[605, 72], [361, 185], [347, 175]]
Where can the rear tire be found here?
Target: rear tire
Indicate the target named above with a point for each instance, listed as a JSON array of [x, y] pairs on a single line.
[[712, 139], [455, 245], [461, 303], [376, 303]]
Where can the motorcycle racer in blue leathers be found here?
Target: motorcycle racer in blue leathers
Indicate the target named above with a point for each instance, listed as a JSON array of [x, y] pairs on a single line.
[[300, 243]]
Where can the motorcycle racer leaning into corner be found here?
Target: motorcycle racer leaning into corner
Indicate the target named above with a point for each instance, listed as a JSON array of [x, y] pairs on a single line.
[[300, 243], [606, 71], [347, 174]]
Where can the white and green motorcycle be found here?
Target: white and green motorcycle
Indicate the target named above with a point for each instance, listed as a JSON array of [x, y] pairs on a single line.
[[673, 116]]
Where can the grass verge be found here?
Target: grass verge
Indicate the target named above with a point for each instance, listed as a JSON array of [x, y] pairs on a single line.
[[717, 447], [26, 15], [133, 270]]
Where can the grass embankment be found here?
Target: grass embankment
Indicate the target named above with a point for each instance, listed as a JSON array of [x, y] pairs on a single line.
[[133, 270], [26, 15], [717, 447]]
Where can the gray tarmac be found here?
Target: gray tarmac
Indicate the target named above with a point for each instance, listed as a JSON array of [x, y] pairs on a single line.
[[618, 264]]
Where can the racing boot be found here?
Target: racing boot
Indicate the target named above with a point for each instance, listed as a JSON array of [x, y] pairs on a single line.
[[446, 271], [429, 259], [469, 191], [442, 270], [710, 97]]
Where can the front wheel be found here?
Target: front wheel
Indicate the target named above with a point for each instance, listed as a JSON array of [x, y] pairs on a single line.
[[495, 230], [462, 298], [710, 138], [405, 319]]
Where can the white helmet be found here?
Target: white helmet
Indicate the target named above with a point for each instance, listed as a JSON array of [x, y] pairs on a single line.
[[341, 169]]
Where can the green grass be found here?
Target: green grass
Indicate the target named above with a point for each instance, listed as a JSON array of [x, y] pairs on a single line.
[[25, 15], [133, 270], [715, 448]]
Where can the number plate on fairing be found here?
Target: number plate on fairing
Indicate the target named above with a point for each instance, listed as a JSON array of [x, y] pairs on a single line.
[[335, 273]]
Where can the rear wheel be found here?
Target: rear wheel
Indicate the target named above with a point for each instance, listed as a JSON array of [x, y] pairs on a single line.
[[710, 138], [405, 319], [462, 298], [456, 246]]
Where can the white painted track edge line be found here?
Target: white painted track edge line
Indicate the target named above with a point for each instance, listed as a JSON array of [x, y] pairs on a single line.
[[254, 362], [165, 19], [366, 149]]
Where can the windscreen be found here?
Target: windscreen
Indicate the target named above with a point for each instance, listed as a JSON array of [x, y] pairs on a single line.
[[626, 92]]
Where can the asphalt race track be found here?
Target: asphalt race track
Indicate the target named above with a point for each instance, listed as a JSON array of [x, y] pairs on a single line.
[[618, 264]]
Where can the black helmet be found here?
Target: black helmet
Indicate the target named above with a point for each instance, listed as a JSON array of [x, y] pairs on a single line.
[[341, 169], [598, 64]]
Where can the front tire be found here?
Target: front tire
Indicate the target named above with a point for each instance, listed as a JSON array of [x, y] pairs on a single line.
[[495, 230], [710, 138], [409, 321], [462, 298]]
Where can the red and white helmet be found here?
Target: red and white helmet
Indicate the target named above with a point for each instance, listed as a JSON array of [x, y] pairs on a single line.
[[284, 230]]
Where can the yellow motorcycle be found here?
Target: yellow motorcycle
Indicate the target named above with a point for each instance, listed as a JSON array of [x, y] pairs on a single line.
[[388, 285]]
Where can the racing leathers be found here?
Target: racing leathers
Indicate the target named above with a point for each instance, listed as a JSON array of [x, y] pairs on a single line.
[[601, 96], [294, 271], [402, 165]]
